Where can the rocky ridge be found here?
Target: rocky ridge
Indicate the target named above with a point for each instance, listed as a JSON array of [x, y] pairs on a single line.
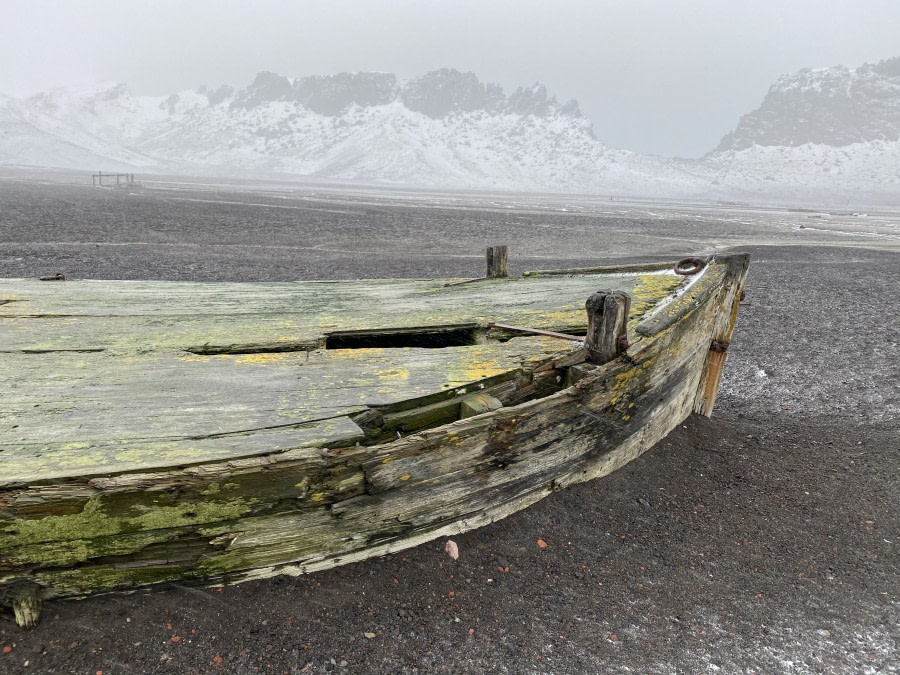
[[827, 106], [818, 133]]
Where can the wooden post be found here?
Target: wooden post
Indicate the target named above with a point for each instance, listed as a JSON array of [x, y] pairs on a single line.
[[496, 258], [711, 376], [607, 318], [26, 604]]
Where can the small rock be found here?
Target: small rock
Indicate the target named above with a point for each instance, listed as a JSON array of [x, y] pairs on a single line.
[[369, 635], [452, 549], [643, 502]]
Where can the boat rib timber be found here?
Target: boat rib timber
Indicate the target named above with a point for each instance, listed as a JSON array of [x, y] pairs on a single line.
[[211, 433]]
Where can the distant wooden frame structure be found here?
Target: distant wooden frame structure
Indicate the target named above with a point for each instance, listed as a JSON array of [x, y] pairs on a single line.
[[122, 179]]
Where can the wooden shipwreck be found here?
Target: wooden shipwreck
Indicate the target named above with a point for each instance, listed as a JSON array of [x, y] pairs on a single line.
[[216, 432]]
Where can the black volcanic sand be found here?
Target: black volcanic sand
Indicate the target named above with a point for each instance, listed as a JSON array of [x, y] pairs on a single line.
[[763, 539]]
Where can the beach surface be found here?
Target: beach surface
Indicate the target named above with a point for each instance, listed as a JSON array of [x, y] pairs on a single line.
[[763, 539]]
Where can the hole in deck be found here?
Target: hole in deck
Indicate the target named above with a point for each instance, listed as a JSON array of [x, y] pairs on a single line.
[[423, 338]]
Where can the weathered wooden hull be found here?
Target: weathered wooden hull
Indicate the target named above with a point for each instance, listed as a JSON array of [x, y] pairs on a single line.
[[314, 507]]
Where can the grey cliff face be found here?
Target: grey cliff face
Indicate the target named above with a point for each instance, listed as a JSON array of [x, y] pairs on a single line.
[[332, 94], [265, 88], [445, 91], [436, 94], [830, 106]]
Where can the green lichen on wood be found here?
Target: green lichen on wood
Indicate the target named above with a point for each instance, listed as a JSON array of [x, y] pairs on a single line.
[[330, 501], [100, 517]]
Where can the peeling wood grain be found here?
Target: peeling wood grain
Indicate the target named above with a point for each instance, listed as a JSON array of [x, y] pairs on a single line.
[[296, 503]]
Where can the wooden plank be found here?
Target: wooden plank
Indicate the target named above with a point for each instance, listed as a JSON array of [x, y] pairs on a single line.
[[699, 289], [144, 404], [310, 508], [478, 404], [730, 299], [636, 268], [140, 316], [33, 462]]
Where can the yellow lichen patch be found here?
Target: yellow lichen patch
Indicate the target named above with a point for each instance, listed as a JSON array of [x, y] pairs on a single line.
[[623, 378], [649, 291], [261, 358], [475, 364], [77, 445], [481, 370], [393, 374], [564, 317], [193, 358], [363, 353]]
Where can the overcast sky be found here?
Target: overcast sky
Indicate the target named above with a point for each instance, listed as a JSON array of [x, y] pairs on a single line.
[[657, 76]]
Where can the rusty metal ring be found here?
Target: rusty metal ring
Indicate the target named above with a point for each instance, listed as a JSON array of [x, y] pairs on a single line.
[[688, 266]]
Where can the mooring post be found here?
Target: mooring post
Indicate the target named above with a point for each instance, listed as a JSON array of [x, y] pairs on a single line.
[[496, 258], [26, 604], [607, 318]]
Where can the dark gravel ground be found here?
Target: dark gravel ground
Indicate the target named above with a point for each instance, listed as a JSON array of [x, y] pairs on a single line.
[[761, 540]]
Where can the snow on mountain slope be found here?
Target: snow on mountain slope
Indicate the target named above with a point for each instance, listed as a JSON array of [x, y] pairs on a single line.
[[869, 169], [74, 128], [447, 129], [818, 131]]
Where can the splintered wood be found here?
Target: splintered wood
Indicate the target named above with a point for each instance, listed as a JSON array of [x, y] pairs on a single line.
[[157, 431]]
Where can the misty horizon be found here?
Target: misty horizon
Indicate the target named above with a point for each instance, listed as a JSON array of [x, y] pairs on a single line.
[[294, 78], [653, 78]]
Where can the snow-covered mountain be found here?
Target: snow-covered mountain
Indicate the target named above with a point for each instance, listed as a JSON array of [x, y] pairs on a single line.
[[818, 131], [448, 129], [825, 106]]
